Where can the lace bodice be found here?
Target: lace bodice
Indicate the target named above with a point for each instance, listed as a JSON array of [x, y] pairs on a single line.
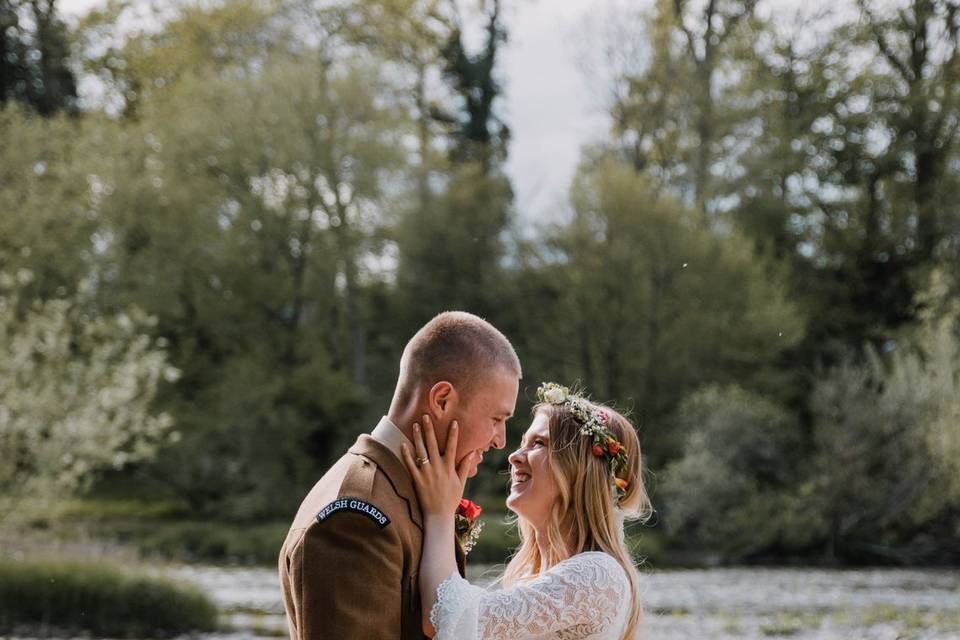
[[586, 596]]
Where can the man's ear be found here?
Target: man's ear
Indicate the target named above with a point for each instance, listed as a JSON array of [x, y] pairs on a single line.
[[442, 398]]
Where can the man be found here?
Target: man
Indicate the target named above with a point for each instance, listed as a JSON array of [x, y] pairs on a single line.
[[349, 565]]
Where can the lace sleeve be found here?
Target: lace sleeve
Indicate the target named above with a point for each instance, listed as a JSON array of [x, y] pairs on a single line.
[[580, 597], [454, 615]]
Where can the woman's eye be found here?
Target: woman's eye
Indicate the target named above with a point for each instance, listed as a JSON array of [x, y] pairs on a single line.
[[538, 442]]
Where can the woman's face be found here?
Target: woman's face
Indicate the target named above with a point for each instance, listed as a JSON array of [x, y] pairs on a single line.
[[533, 488]]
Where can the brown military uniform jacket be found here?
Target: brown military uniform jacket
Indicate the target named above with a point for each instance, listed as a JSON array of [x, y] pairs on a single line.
[[349, 565]]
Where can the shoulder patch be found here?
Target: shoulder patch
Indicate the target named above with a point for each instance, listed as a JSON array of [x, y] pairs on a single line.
[[354, 504]]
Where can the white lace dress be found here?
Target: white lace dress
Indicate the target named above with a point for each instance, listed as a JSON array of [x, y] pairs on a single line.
[[586, 596]]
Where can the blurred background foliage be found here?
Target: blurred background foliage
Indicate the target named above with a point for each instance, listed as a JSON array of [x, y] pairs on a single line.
[[211, 262]]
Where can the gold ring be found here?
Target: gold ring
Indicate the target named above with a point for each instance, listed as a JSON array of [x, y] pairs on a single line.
[[422, 461]]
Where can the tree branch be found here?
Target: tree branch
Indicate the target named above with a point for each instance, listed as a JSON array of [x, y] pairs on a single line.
[[883, 45], [691, 38], [732, 21]]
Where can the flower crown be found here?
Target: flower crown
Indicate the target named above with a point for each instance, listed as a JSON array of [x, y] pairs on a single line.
[[593, 423]]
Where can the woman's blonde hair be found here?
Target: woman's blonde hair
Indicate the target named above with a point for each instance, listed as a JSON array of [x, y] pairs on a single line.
[[587, 515]]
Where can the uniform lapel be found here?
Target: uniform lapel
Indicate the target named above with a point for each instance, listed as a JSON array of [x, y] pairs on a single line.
[[402, 483], [395, 471]]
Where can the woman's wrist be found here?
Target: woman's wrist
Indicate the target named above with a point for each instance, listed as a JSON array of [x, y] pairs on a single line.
[[439, 520]]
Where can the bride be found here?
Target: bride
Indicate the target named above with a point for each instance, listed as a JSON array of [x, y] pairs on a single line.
[[575, 478]]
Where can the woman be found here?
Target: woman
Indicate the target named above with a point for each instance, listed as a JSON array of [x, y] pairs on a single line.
[[575, 478]]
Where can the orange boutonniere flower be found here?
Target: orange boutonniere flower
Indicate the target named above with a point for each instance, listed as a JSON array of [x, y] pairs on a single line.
[[467, 526]]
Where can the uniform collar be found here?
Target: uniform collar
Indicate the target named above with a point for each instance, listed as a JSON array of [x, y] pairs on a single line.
[[372, 448], [390, 436]]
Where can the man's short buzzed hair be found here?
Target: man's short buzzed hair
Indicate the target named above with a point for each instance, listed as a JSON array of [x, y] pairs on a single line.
[[456, 347]]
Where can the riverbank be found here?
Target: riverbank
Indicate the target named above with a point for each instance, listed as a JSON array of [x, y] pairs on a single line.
[[720, 604], [690, 604]]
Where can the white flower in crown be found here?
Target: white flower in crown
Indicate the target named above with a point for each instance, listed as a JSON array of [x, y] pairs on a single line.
[[554, 393]]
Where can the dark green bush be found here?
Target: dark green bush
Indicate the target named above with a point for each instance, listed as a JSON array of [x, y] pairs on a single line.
[[70, 597], [726, 493], [497, 540]]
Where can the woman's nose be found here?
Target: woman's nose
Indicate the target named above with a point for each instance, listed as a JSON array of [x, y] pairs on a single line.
[[516, 457]]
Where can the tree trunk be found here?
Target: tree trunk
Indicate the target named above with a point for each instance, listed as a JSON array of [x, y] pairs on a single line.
[[705, 132]]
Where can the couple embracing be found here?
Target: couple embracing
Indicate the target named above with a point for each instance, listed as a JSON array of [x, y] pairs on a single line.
[[377, 549]]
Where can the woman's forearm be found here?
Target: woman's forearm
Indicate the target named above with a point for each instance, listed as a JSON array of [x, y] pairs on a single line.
[[437, 562]]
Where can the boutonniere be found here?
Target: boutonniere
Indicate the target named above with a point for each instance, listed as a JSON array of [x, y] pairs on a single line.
[[468, 525]]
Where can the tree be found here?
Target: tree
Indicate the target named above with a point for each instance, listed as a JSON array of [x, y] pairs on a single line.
[[413, 34], [825, 168], [706, 32], [34, 57], [47, 220], [652, 110], [452, 252], [635, 299], [451, 243], [247, 229], [230, 38], [919, 46], [477, 134]]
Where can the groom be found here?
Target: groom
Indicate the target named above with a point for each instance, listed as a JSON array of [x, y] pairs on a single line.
[[349, 565]]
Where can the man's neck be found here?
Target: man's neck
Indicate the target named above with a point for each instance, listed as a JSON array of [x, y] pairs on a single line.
[[404, 420]]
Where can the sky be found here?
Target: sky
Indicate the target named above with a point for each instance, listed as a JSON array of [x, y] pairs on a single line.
[[550, 105]]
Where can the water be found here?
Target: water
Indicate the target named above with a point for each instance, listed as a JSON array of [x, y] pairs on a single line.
[[716, 604]]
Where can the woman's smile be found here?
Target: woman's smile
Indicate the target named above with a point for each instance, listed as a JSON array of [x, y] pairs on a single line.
[[520, 478]]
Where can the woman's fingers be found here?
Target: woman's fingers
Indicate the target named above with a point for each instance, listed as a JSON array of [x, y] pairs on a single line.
[[464, 468], [409, 461], [418, 444], [430, 437], [450, 450]]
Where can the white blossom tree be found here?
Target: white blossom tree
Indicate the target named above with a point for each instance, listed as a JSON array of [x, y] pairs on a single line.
[[76, 392]]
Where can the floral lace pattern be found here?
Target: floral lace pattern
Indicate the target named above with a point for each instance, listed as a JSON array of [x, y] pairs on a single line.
[[585, 596]]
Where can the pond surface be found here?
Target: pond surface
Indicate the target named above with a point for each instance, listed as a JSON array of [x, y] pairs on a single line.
[[716, 604]]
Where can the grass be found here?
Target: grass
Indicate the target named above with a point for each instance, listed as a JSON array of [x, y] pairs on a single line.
[[52, 597], [105, 509], [910, 618], [781, 627], [204, 541], [157, 530]]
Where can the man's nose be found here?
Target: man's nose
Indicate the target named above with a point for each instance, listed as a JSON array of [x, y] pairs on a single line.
[[500, 437]]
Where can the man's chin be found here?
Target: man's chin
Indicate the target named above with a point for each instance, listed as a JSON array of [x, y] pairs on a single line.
[[474, 466]]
